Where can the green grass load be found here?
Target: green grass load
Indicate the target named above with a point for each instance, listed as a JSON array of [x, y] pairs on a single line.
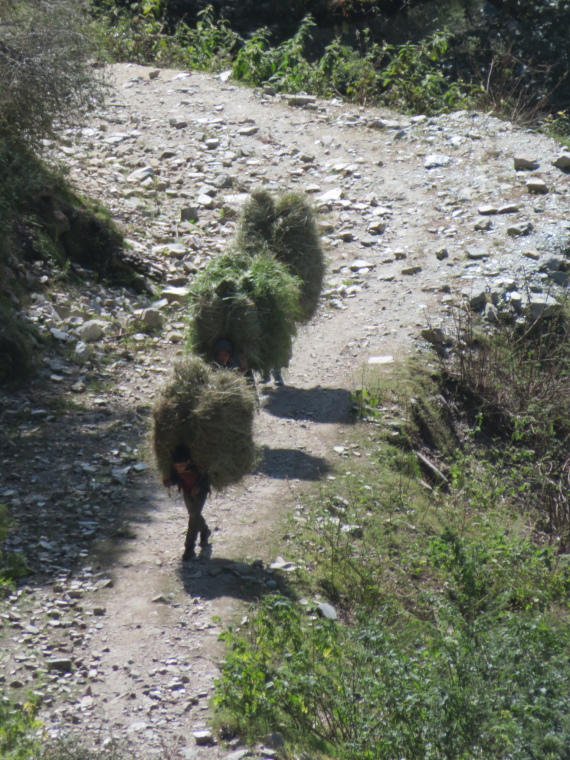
[[287, 226], [251, 299]]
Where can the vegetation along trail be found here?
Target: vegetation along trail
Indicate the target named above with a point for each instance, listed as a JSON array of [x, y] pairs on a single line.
[[416, 214]]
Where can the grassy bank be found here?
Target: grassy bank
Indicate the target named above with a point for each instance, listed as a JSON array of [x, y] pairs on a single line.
[[445, 567]]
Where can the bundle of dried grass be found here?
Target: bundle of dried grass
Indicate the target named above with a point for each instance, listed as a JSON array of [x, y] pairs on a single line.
[[211, 413], [251, 299], [287, 226]]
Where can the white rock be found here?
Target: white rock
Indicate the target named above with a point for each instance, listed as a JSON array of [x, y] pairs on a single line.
[[436, 160], [377, 227], [137, 726], [178, 122], [537, 186], [563, 161], [300, 100], [203, 737], [206, 200], [175, 294], [139, 175], [91, 331], [152, 318], [175, 250], [380, 359], [331, 195], [543, 306], [526, 163]]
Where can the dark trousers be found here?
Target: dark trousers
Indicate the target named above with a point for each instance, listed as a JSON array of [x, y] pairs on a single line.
[[196, 523]]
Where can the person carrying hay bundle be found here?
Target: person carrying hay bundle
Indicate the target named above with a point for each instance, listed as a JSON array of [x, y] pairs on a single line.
[[287, 227], [202, 436], [224, 355], [250, 300], [195, 487]]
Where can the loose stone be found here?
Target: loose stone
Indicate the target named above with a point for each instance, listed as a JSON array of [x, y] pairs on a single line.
[[537, 186], [563, 161], [517, 230], [411, 270], [525, 163]]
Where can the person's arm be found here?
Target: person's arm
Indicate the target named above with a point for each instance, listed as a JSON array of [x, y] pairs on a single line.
[[173, 480]]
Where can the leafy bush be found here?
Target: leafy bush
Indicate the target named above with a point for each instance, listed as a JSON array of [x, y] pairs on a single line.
[[18, 729], [142, 33], [455, 691], [46, 76], [409, 76]]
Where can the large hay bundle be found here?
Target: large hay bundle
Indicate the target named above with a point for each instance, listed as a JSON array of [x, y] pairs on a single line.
[[211, 413], [296, 242], [227, 314], [288, 227], [256, 221], [251, 299]]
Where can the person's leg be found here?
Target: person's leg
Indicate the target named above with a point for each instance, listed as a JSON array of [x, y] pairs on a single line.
[[277, 377], [196, 524]]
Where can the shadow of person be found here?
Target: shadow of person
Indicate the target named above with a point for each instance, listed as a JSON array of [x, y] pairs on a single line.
[[209, 577], [324, 405], [282, 464]]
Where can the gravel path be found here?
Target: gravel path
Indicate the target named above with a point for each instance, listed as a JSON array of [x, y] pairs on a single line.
[[416, 214]]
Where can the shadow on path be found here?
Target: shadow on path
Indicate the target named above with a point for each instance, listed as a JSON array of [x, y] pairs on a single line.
[[212, 578], [326, 405], [291, 463]]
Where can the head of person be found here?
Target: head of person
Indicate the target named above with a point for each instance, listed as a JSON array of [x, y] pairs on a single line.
[[181, 458], [223, 350]]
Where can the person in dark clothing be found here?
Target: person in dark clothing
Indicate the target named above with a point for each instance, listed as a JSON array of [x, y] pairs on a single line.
[[195, 488], [275, 374], [226, 356]]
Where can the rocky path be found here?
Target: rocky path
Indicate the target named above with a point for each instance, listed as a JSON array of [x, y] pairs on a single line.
[[111, 630]]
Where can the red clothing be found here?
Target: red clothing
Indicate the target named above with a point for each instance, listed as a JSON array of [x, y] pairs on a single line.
[[188, 480]]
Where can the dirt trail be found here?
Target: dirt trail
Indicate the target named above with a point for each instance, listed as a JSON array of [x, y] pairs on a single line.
[[144, 653]]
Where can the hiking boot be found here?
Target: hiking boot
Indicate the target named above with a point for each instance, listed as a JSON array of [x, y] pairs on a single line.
[[189, 553]]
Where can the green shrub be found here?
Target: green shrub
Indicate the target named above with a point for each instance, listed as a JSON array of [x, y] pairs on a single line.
[[18, 730], [141, 33], [492, 690], [45, 72]]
